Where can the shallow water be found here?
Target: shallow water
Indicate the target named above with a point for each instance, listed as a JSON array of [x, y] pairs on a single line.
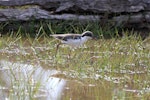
[[18, 76], [101, 71]]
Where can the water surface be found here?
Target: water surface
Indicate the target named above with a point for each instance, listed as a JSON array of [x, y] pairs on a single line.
[[102, 69]]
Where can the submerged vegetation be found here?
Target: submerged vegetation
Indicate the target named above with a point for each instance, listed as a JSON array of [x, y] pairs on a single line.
[[117, 68]]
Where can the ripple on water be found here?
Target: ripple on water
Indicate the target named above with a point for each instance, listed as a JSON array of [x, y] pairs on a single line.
[[29, 78]]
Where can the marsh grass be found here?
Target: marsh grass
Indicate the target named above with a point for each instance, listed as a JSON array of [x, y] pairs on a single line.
[[120, 60], [34, 27]]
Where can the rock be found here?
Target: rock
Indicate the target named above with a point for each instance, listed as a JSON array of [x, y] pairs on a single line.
[[96, 6], [37, 13], [119, 11]]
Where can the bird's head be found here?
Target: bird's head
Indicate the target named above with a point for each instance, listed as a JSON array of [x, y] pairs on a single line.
[[88, 34]]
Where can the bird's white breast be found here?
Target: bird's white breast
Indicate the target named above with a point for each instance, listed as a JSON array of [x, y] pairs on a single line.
[[76, 42]]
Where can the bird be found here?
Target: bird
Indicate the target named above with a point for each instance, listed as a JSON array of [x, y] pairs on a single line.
[[72, 39]]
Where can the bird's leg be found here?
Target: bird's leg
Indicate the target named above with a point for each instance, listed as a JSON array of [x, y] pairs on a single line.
[[69, 56], [57, 47]]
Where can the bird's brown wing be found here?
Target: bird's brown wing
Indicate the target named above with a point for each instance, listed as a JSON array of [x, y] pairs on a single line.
[[65, 37]]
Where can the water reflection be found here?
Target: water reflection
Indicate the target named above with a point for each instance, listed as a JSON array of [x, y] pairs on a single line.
[[26, 81]]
